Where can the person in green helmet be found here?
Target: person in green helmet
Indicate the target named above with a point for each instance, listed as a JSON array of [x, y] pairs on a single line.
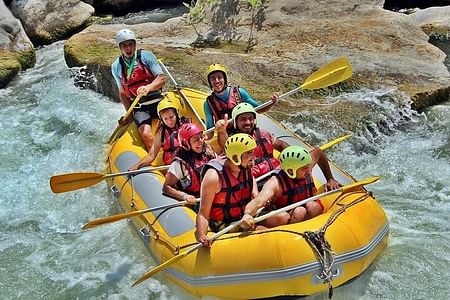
[[224, 98], [291, 184], [244, 121], [227, 186]]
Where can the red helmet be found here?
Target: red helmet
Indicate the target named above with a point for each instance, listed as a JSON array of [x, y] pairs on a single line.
[[187, 130]]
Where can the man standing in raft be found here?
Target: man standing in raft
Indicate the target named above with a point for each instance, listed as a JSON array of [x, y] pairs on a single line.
[[293, 183], [138, 73], [227, 186]]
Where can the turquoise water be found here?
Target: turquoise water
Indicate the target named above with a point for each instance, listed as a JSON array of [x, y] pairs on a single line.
[[49, 126]]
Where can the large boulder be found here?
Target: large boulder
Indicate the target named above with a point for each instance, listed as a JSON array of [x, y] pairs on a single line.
[[435, 21], [293, 39], [47, 21], [16, 50], [121, 7]]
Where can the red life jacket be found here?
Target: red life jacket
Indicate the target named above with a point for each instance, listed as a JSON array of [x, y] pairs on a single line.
[[169, 143], [294, 190], [228, 205], [219, 108], [140, 76], [265, 161], [194, 168]]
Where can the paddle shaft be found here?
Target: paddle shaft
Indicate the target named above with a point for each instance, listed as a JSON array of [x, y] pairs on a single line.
[[232, 226], [319, 79], [75, 181], [183, 96], [135, 213], [136, 172], [123, 118]]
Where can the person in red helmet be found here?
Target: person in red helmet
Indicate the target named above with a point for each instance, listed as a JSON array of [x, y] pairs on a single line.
[[138, 73], [183, 177]]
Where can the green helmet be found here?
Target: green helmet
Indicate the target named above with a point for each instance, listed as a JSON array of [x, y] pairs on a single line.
[[236, 145], [240, 109], [293, 158]]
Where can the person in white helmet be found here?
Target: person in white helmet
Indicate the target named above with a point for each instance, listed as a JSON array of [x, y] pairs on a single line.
[[138, 73]]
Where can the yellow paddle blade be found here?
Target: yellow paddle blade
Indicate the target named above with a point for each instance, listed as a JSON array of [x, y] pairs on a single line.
[[334, 142], [161, 267], [357, 185], [113, 218], [74, 181], [334, 72]]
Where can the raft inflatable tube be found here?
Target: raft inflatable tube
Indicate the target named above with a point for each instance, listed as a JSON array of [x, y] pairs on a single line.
[[283, 261]]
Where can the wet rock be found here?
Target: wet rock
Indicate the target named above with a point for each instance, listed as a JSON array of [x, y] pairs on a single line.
[[16, 50], [434, 21], [47, 21], [386, 49]]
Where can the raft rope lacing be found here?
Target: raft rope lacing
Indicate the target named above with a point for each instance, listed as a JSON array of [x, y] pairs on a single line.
[[316, 239]]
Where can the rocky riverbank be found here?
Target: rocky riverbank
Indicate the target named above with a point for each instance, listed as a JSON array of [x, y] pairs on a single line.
[[386, 48]]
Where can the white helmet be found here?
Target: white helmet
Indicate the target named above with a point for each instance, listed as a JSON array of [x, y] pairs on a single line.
[[125, 35]]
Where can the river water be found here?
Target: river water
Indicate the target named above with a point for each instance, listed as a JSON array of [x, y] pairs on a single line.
[[49, 126]]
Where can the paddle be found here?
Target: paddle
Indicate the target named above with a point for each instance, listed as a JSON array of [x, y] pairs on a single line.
[[344, 189], [334, 142], [332, 73], [124, 118], [121, 216], [74, 181], [118, 217], [183, 96]]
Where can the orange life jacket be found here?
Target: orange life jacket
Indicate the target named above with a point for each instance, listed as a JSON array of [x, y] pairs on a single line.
[[293, 190], [219, 108], [265, 161], [169, 143], [228, 205]]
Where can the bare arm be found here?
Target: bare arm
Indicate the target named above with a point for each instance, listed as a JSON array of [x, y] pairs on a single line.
[[267, 192], [155, 85], [126, 101], [274, 99], [222, 135], [279, 145], [210, 186], [320, 158], [150, 157], [169, 188]]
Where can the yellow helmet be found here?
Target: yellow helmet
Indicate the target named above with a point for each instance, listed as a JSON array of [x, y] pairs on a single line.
[[214, 68], [236, 145], [165, 104], [293, 158]]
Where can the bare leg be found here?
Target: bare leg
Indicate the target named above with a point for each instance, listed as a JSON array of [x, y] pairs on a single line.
[[146, 133], [280, 219], [299, 214], [314, 209]]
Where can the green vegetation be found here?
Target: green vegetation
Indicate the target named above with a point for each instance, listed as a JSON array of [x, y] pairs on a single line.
[[197, 14], [255, 6], [9, 67]]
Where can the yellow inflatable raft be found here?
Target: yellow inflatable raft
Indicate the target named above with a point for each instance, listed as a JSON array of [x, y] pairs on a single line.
[[296, 259]]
